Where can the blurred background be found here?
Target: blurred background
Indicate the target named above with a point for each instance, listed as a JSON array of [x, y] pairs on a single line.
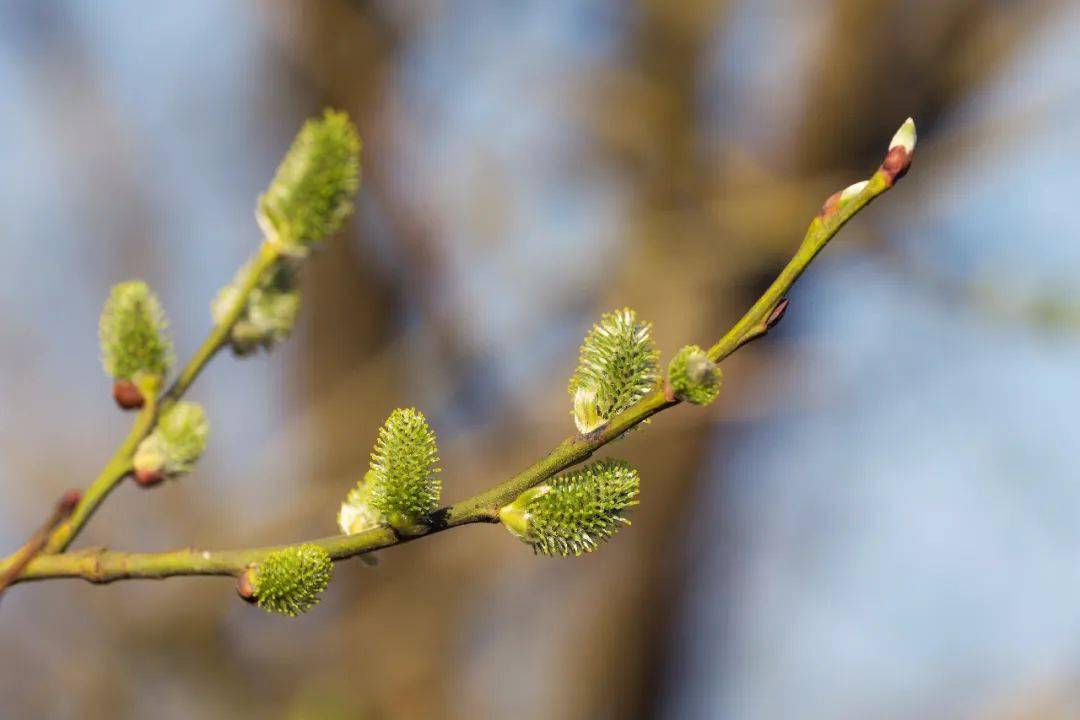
[[879, 518]]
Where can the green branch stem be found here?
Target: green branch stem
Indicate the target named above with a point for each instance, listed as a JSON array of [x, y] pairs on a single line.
[[823, 227], [100, 565], [115, 470], [267, 255], [120, 464]]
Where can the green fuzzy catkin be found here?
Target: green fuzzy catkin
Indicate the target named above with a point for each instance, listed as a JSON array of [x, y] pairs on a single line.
[[271, 310], [290, 580], [356, 514], [575, 512], [693, 376], [311, 194], [134, 333], [617, 367], [177, 442], [404, 482]]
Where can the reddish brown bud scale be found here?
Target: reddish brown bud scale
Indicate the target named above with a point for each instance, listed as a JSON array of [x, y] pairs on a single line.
[[244, 587], [830, 206], [127, 395], [777, 314], [669, 392], [896, 164], [148, 478], [37, 542], [68, 501]]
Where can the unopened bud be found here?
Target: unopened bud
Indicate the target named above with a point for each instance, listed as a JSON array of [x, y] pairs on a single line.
[[905, 137], [777, 314], [69, 500], [693, 376], [244, 586], [127, 395], [898, 159], [148, 477]]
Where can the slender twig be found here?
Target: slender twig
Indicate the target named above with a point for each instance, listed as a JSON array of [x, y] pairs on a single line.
[[100, 565], [115, 470], [119, 466], [36, 543], [267, 255]]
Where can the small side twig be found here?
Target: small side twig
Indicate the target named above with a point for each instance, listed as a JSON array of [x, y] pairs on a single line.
[[119, 466], [64, 506]]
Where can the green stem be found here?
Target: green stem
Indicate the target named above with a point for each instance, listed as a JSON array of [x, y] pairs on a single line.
[[219, 335], [822, 228], [105, 566], [119, 465], [115, 470]]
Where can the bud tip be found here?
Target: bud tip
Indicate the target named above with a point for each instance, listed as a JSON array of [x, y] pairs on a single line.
[[905, 137], [69, 500], [898, 159]]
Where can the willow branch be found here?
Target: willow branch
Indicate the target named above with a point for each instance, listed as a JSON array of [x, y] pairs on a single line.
[[119, 465], [100, 565]]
